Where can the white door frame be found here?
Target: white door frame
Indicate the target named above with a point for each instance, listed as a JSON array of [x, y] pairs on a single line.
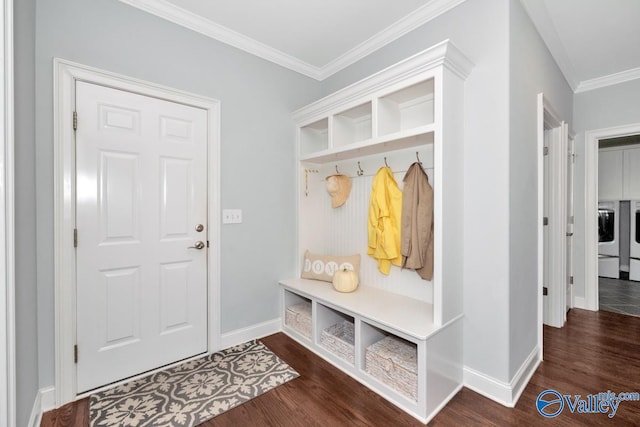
[[591, 139], [7, 241], [65, 75]]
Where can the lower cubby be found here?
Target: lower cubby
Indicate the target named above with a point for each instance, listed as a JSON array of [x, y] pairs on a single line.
[[336, 332], [393, 361], [298, 314]]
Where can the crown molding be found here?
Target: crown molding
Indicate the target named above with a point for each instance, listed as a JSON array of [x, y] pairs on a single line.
[[543, 23], [609, 80], [184, 18], [444, 54], [419, 17]]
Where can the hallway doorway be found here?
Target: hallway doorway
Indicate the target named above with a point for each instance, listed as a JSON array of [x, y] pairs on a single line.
[[611, 191]]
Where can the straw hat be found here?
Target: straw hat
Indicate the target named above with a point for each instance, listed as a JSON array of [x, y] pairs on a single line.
[[339, 187]]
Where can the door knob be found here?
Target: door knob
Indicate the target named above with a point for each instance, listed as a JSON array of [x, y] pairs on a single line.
[[197, 245]]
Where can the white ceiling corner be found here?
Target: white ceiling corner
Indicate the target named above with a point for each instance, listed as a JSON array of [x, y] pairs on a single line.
[[539, 14], [396, 30], [594, 42], [167, 10], [197, 23]]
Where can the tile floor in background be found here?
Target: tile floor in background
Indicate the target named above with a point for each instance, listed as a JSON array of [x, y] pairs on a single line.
[[619, 296]]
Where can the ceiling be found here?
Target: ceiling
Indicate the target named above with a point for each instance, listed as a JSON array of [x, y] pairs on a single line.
[[595, 42]]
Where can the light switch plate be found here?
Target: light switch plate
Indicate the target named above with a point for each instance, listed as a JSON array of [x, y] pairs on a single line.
[[232, 216]]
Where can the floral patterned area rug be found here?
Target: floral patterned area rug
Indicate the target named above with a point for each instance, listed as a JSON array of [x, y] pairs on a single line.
[[193, 392]]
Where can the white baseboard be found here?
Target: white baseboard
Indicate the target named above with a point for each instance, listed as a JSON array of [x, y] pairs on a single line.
[[580, 302], [524, 374], [36, 411], [48, 398], [506, 394], [488, 387], [45, 401], [251, 332]]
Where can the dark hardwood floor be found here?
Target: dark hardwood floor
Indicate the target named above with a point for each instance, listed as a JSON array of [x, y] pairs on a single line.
[[594, 352]]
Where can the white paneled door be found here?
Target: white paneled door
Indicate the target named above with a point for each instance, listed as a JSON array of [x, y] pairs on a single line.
[[141, 234]]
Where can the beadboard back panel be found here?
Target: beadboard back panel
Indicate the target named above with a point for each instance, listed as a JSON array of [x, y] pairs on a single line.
[[343, 230]]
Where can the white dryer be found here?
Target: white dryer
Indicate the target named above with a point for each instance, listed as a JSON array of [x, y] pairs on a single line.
[[608, 239]]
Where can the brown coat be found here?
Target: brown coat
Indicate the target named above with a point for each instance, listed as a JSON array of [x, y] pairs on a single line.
[[417, 222]]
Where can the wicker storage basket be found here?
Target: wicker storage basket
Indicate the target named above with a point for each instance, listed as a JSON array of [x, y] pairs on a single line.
[[298, 317], [394, 361], [339, 339]]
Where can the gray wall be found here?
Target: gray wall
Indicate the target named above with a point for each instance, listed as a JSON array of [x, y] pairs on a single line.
[[532, 71], [480, 29], [25, 210], [257, 149], [610, 106]]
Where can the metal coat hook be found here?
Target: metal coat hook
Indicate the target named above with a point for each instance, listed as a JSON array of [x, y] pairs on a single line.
[[418, 157], [360, 171], [385, 162], [338, 172]]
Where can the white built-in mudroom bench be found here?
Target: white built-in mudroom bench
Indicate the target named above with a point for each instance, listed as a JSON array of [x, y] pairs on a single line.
[[398, 334]]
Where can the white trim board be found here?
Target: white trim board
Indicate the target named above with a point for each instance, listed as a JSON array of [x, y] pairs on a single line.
[[65, 75], [609, 80], [187, 19], [506, 394], [591, 139], [43, 402], [252, 332], [7, 233], [36, 412]]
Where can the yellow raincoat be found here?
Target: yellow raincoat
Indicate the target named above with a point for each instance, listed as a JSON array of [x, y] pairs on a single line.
[[385, 211]]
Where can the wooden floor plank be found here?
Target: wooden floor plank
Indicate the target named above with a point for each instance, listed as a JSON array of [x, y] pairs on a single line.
[[594, 352]]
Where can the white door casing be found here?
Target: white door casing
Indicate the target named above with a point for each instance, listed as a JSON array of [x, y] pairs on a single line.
[[7, 240], [141, 189], [66, 74]]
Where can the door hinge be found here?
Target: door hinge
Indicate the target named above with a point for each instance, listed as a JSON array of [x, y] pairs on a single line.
[[572, 220], [571, 280], [75, 353], [207, 243], [545, 220], [545, 290], [75, 237], [545, 151], [75, 120]]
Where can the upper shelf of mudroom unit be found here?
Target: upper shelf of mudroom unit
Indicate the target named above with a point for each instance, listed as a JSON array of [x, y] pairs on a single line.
[[400, 140]]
